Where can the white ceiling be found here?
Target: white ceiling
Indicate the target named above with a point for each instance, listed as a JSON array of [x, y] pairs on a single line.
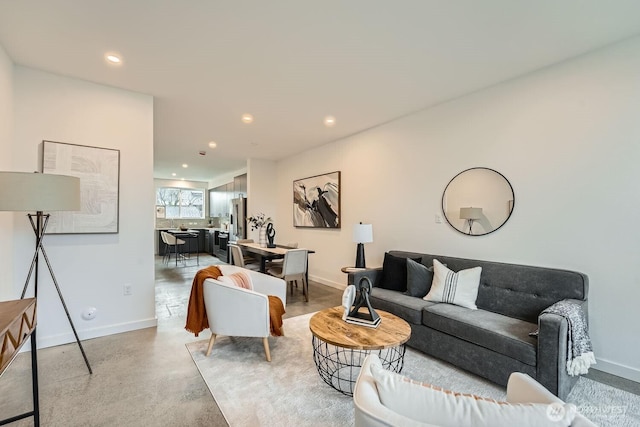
[[291, 63]]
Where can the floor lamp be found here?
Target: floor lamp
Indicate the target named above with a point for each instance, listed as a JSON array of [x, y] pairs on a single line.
[[37, 192], [470, 215]]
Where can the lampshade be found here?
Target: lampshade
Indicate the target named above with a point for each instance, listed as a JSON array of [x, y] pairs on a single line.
[[29, 192], [470, 213], [363, 233]]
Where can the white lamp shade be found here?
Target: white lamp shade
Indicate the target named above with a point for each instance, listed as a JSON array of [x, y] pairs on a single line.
[[29, 192], [363, 233], [470, 213]]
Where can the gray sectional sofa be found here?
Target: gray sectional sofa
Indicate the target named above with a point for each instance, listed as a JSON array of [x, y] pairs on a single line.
[[494, 340]]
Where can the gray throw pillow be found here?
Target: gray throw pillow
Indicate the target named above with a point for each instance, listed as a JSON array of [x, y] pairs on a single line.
[[419, 278]]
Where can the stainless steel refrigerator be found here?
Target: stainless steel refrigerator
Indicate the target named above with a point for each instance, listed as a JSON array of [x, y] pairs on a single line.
[[239, 218]]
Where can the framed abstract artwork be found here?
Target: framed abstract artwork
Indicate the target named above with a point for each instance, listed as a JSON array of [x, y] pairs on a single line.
[[316, 201], [99, 173]]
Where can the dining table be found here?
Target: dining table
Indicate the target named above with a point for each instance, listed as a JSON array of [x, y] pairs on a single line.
[[264, 254]]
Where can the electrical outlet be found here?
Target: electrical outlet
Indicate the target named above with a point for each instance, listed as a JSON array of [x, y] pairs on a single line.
[[438, 218], [127, 289]]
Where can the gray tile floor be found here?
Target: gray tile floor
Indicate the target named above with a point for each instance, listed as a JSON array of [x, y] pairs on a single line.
[[146, 377], [141, 378]]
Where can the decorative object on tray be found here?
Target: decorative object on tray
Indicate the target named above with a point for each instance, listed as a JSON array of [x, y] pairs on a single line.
[[99, 173], [367, 316], [271, 234], [260, 222], [316, 201], [183, 227]]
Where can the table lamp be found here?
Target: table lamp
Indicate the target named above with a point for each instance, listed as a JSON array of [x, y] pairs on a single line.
[[362, 233], [38, 192], [470, 214]]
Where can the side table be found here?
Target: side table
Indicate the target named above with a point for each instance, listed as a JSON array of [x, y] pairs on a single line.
[[17, 324]]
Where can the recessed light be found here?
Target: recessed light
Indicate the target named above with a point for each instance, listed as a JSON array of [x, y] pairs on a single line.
[[213, 144], [174, 174], [113, 59], [329, 121], [182, 179], [184, 165], [247, 118]]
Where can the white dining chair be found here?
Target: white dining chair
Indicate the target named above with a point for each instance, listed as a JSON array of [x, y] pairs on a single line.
[[277, 263], [237, 258], [294, 268], [248, 259]]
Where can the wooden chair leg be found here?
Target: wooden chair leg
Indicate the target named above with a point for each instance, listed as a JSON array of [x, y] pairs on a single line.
[[265, 341], [211, 341]]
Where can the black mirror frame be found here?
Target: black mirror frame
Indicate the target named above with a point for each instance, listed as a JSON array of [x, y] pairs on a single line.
[[497, 228]]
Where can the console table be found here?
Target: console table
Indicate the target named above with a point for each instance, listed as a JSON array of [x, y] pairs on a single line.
[[17, 324]]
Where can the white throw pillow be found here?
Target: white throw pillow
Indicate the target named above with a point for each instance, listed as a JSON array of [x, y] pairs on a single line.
[[459, 288], [430, 404]]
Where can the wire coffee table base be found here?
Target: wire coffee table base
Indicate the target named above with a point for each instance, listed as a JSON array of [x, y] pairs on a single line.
[[339, 367]]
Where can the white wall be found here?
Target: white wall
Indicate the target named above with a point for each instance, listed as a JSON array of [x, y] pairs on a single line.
[[567, 138], [6, 138], [262, 189], [90, 268]]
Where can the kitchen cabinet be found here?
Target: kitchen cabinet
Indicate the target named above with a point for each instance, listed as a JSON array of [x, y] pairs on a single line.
[[240, 186]]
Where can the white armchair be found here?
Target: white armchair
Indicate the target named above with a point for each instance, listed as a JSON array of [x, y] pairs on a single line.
[[370, 412], [239, 312]]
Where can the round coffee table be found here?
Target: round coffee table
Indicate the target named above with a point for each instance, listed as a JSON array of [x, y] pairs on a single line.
[[339, 348]]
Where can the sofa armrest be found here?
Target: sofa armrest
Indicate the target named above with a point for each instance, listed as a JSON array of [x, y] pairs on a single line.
[[373, 274], [551, 369]]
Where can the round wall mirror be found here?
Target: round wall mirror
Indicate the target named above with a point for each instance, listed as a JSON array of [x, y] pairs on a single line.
[[478, 201]]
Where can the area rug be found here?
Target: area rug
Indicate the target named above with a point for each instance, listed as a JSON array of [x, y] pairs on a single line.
[[288, 391]]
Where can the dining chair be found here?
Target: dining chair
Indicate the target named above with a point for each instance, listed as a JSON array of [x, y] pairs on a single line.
[[171, 241], [294, 268], [248, 259], [278, 262], [238, 259]]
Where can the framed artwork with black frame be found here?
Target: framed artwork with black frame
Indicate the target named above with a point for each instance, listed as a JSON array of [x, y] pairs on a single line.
[[99, 173], [316, 201]]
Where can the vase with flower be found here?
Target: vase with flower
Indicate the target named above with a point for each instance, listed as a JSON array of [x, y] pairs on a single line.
[[259, 222]]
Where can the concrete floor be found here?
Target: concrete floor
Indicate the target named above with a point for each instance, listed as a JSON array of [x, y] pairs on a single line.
[[146, 377], [141, 378]]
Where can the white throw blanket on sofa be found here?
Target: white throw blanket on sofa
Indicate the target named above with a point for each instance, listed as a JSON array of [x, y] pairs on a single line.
[[579, 350]]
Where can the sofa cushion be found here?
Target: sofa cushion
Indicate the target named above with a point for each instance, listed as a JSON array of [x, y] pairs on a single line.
[[394, 272], [419, 278], [459, 288], [427, 403], [403, 306], [502, 334]]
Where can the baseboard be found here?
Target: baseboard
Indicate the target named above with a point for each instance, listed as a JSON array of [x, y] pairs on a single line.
[[617, 369], [86, 334], [328, 282]]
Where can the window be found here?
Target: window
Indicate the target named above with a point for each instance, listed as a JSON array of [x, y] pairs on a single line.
[[181, 203]]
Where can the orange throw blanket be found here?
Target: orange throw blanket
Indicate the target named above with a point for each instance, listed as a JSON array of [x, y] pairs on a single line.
[[196, 313], [276, 310]]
